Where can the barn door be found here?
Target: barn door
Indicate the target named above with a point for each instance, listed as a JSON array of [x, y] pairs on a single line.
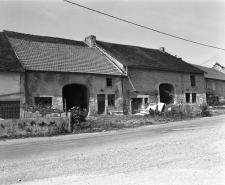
[[101, 103]]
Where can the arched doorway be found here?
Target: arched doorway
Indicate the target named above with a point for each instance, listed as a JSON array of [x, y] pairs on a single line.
[[75, 95], [166, 92]]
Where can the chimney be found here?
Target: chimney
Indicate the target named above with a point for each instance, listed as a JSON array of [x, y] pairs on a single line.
[[162, 49], [91, 40]]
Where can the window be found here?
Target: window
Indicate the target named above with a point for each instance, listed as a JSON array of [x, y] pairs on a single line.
[[111, 99], [109, 82], [187, 97], [146, 101], [213, 86], [43, 100], [207, 85], [10, 109], [192, 81], [193, 97]]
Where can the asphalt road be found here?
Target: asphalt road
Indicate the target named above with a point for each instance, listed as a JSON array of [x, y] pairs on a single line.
[[120, 157]]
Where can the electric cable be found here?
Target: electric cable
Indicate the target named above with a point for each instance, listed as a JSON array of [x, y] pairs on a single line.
[[143, 26], [212, 58]]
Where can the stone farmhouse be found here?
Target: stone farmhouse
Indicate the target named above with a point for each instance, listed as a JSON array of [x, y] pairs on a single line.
[[98, 76], [63, 73], [215, 85], [153, 75]]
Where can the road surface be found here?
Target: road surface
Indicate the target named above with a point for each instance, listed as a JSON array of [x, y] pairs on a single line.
[[187, 152]]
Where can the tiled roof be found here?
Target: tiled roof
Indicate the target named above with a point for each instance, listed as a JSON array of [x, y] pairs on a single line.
[[149, 58], [211, 73], [8, 59], [54, 54]]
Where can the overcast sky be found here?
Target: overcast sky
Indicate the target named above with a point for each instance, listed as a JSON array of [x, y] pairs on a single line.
[[197, 20]]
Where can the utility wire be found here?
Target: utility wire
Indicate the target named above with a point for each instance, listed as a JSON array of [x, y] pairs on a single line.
[[212, 58], [143, 26]]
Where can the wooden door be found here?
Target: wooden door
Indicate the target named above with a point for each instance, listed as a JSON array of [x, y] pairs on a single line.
[[101, 103]]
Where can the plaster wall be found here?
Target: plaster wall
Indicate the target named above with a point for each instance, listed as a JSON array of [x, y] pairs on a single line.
[[147, 81], [50, 84], [11, 86], [216, 87]]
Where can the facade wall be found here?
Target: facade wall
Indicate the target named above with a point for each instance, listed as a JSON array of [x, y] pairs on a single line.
[[147, 82], [215, 90], [12, 86], [50, 84]]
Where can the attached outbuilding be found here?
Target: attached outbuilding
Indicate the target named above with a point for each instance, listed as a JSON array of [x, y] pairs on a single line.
[[66, 73], [11, 80], [154, 75]]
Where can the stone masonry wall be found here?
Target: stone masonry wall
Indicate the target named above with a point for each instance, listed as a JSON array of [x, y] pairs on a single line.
[[34, 127], [147, 81], [50, 84]]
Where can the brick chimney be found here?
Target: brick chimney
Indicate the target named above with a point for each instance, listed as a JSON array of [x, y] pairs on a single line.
[[91, 40], [162, 49]]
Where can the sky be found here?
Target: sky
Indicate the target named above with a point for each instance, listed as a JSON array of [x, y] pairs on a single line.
[[201, 21]]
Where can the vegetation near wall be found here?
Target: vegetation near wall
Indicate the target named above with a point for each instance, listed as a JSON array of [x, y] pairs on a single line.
[[80, 123], [33, 127]]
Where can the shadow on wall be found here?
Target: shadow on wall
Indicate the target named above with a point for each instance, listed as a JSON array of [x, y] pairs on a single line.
[[75, 95], [166, 93]]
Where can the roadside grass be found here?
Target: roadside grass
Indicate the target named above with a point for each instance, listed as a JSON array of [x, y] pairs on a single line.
[[109, 123]]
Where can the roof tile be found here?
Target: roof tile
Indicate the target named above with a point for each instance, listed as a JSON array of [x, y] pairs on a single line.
[[8, 59], [211, 73], [144, 57], [62, 55]]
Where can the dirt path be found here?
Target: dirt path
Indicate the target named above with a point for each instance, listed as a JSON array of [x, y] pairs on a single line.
[[189, 155]]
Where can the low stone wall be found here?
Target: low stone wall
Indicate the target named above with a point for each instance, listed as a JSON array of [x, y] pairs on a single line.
[[34, 126], [37, 114], [194, 109]]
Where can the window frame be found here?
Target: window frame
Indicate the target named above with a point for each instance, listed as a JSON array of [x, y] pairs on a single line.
[[111, 99], [195, 95], [109, 82], [188, 97], [193, 81], [36, 102]]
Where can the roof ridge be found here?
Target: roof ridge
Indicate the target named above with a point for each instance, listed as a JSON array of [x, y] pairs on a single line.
[[128, 45], [44, 39]]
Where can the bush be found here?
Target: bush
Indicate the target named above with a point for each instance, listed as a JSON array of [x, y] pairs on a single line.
[[78, 116], [205, 111]]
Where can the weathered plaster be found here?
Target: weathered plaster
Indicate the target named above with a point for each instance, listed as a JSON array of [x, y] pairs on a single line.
[[147, 81], [12, 88], [51, 84]]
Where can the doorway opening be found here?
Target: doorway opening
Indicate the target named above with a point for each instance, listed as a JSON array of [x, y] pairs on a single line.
[[75, 95], [136, 105], [101, 103], [166, 92]]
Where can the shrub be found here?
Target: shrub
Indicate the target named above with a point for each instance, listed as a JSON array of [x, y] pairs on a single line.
[[205, 111], [78, 116]]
